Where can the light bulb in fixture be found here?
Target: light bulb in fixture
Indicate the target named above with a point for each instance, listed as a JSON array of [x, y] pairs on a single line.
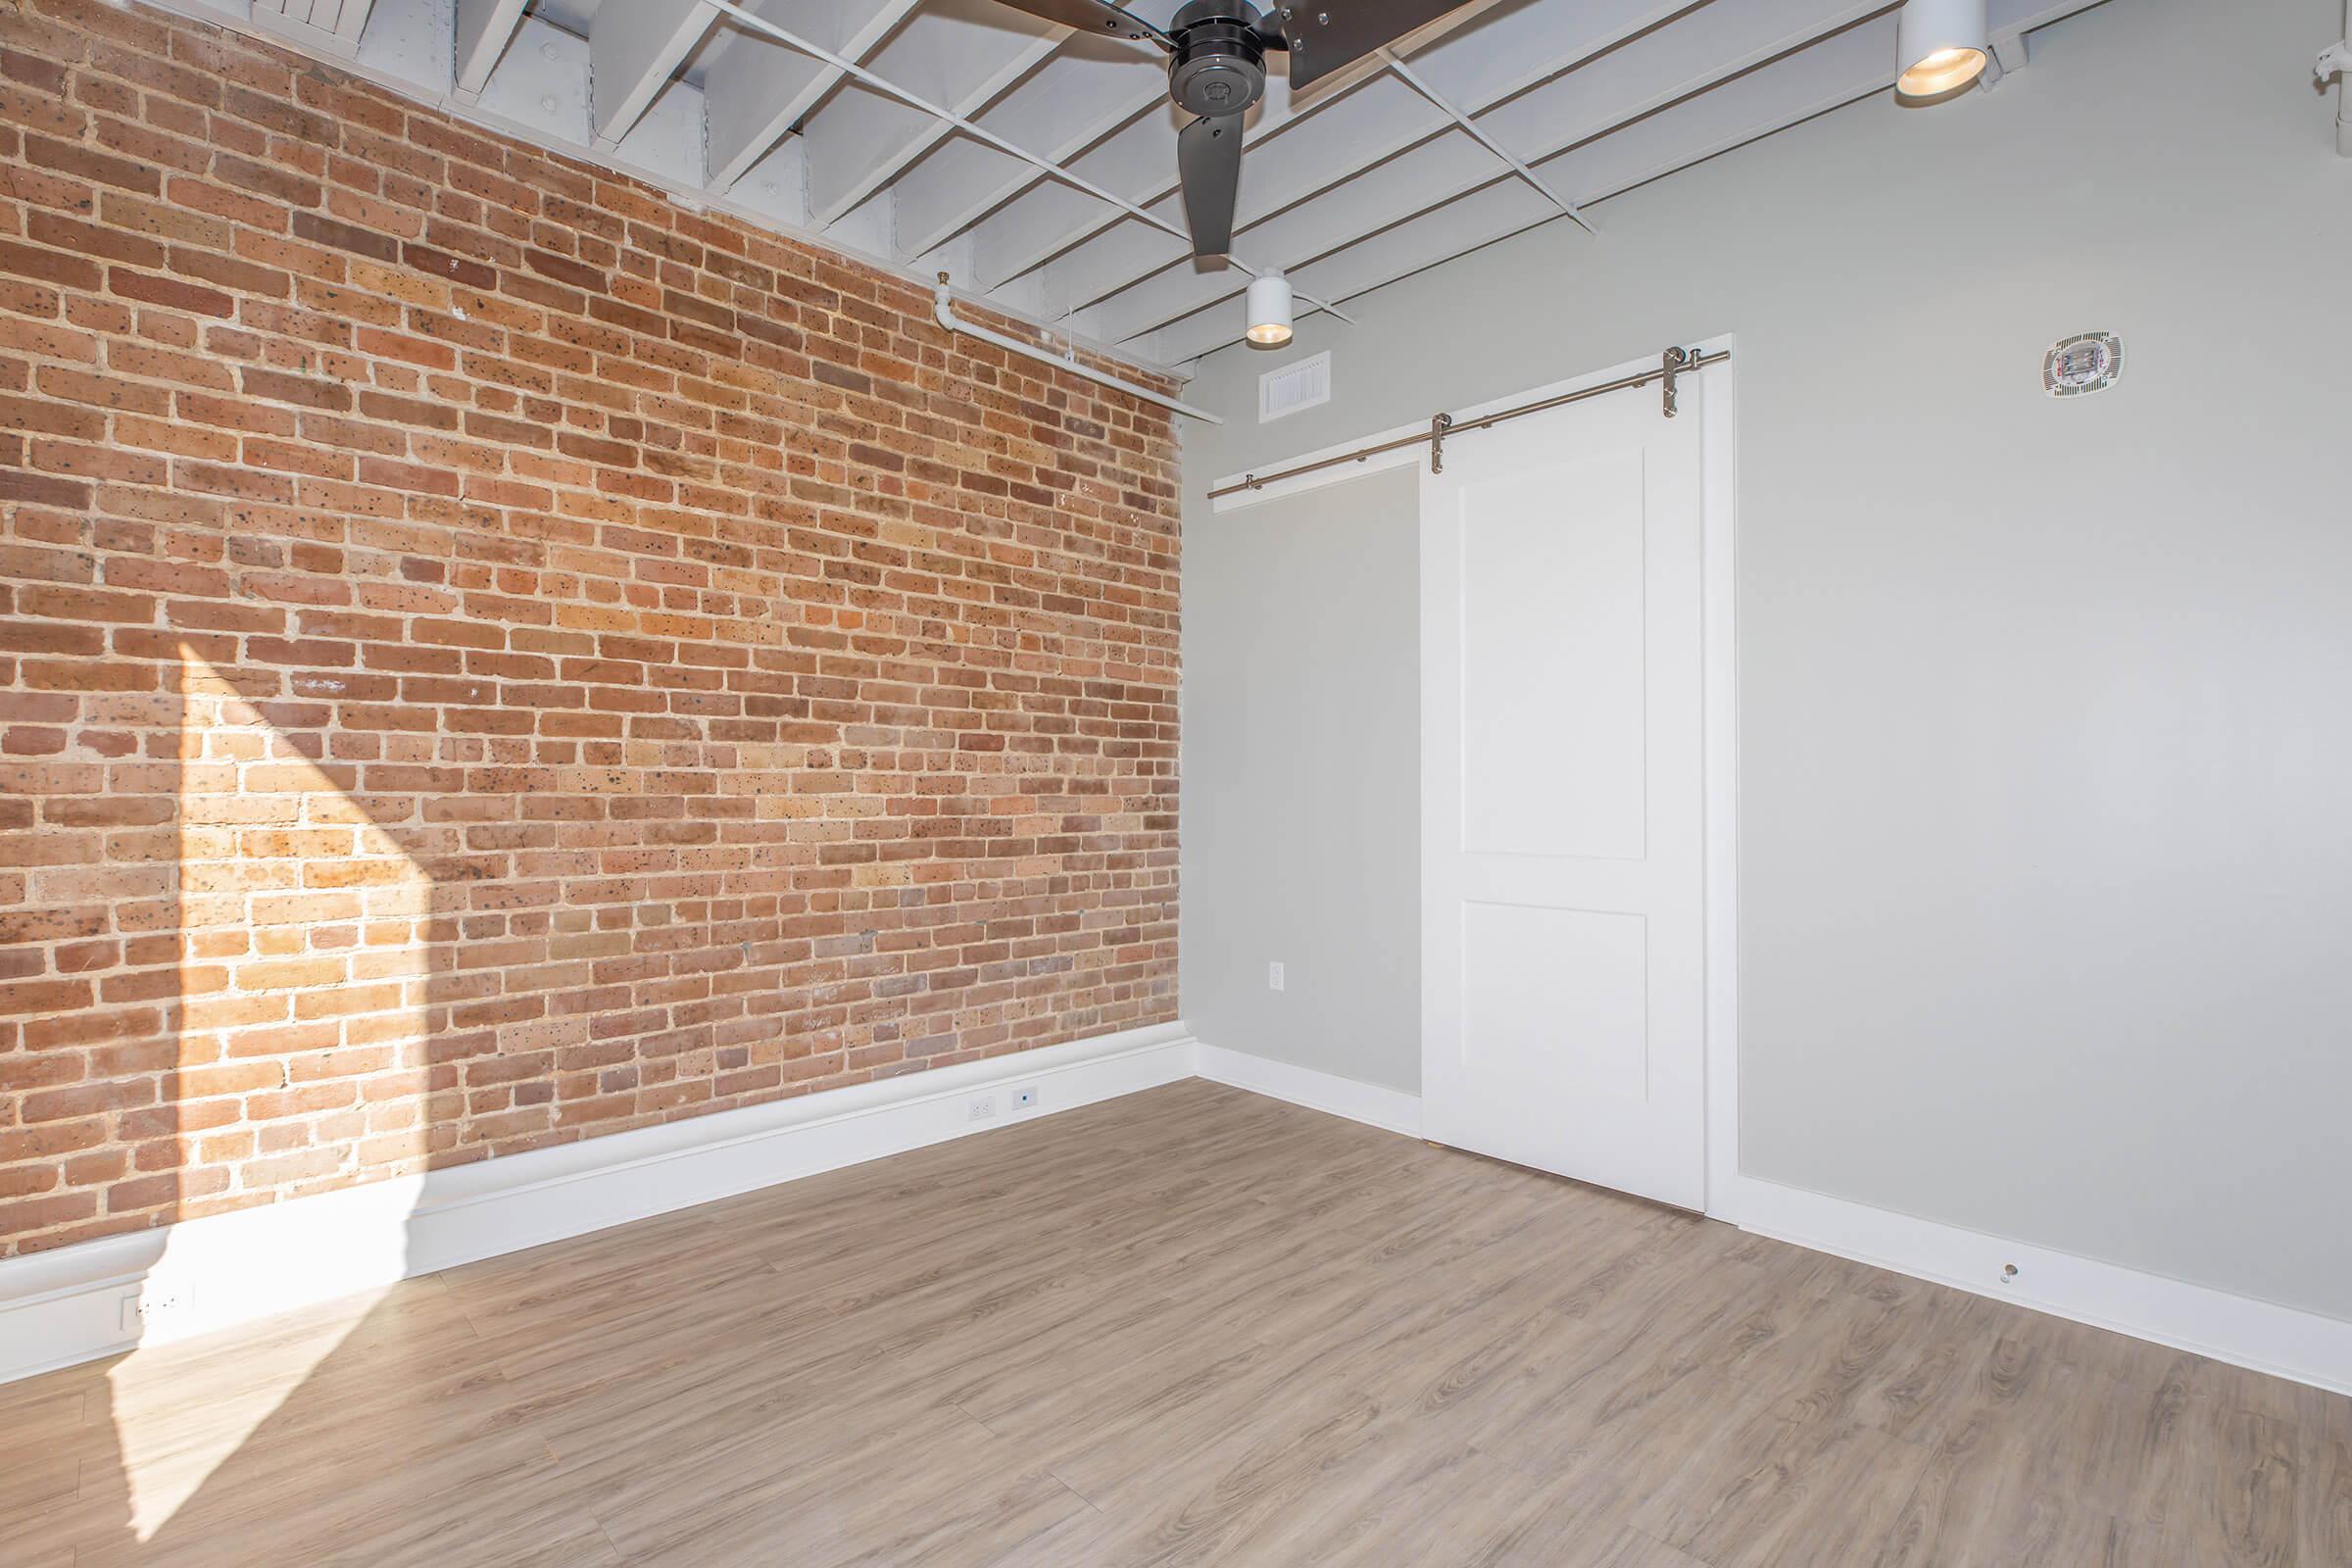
[[1269, 309], [1940, 46]]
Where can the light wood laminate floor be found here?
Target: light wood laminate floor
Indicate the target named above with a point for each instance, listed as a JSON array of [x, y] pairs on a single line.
[[1189, 1326]]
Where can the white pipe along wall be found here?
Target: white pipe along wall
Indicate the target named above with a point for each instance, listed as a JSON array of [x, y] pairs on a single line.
[[945, 310]]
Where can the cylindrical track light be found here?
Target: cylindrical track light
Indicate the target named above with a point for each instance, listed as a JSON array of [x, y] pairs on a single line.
[[1270, 310], [1940, 46]]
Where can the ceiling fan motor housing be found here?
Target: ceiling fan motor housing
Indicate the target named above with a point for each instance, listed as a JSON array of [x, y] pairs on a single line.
[[1219, 67]]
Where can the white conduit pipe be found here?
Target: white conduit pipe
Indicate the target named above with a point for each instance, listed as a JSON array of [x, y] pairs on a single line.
[[1046, 166], [946, 317], [2336, 61]]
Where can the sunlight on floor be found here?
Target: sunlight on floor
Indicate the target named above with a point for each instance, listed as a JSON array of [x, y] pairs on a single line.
[[181, 1410], [306, 955]]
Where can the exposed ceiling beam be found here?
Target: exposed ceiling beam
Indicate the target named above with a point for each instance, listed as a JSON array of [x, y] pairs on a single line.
[[758, 89], [1661, 67], [1377, 120], [958, 54], [993, 140], [967, 187], [1568, 209], [1089, 88], [1494, 55], [633, 48], [882, 85], [1780, 96], [538, 95], [1857, 64], [1136, 160], [484, 28], [331, 26], [1480, 60]]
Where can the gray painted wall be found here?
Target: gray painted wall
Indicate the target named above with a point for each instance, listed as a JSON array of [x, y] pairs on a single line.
[[2046, 706], [1302, 781]]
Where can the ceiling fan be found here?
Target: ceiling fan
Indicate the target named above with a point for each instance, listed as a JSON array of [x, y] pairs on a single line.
[[1217, 69]]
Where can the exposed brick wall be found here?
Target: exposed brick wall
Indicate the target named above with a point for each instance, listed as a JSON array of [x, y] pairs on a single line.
[[489, 658]]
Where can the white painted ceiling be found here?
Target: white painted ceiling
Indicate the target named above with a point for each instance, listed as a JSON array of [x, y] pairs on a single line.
[[1358, 182]]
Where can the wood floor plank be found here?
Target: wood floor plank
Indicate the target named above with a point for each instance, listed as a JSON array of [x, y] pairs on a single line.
[[1779, 1491], [844, 1501], [2323, 1495], [1188, 1326]]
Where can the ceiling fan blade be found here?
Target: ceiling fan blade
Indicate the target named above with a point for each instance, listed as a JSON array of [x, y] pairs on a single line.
[[1208, 160], [1098, 16], [1325, 35]]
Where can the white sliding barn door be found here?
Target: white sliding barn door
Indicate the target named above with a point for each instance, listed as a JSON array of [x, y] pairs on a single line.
[[1563, 834]]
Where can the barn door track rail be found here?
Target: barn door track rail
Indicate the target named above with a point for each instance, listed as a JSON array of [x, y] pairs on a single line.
[[1444, 427]]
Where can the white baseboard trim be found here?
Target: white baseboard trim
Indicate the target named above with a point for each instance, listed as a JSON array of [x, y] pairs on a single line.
[[1391, 1109], [2282, 1340], [72, 1304], [77, 1303]]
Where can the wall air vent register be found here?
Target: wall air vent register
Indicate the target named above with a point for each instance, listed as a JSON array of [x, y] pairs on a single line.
[[1301, 385]]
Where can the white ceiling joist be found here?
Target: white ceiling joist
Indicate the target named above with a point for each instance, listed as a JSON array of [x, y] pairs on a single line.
[[758, 89], [1039, 166], [538, 90], [957, 54], [1279, 165], [1088, 89], [961, 122], [1856, 63], [1484, 58], [633, 47], [331, 27], [1659, 67], [1137, 160], [1769, 100], [1568, 209], [484, 28], [1502, 53]]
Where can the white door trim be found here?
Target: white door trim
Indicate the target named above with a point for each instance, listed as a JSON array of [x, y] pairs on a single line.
[[1719, 701]]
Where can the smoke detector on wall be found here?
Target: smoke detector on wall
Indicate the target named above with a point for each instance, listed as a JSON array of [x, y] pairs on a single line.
[[2088, 361]]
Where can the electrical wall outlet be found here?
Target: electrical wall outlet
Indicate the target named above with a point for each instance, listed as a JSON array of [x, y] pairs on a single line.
[[145, 1306], [982, 1108], [1273, 977], [1025, 1097]]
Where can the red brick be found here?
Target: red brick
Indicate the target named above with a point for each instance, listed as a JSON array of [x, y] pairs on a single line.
[[170, 292], [87, 162], [322, 230], [308, 391], [682, 679]]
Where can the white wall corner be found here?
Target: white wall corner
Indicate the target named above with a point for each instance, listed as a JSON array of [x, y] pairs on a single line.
[[1395, 1109]]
